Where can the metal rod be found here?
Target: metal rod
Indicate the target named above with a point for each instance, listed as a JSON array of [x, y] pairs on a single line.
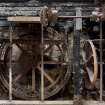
[[42, 65], [101, 68], [10, 64]]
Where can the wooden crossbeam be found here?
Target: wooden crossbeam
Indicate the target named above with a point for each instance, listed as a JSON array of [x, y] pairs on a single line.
[[24, 19], [28, 102]]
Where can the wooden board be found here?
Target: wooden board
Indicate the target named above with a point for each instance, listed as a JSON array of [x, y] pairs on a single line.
[[60, 102], [24, 19]]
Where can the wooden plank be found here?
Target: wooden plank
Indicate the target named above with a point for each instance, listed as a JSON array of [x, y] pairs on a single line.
[[24, 19], [59, 102], [28, 102]]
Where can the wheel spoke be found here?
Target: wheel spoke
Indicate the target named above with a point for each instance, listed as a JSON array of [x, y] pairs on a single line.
[[20, 47], [48, 48], [90, 73], [17, 78], [46, 75], [87, 61], [83, 55]]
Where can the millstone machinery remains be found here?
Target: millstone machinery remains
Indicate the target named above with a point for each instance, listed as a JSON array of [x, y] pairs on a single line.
[[52, 52]]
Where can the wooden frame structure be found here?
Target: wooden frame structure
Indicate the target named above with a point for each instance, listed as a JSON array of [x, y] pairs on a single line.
[[30, 19]]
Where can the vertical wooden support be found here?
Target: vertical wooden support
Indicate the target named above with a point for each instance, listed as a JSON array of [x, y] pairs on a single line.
[[42, 65], [33, 81], [101, 65], [76, 52], [10, 63]]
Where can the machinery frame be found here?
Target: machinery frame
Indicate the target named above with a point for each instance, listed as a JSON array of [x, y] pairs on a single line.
[[42, 102]]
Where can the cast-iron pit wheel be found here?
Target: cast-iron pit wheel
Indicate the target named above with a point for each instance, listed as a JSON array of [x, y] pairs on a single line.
[[26, 69], [90, 64]]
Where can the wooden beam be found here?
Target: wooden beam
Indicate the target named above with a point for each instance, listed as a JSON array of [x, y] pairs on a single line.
[[28, 102], [59, 102], [24, 19]]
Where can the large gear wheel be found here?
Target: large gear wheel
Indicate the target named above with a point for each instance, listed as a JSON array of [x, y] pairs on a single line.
[[90, 64], [26, 66]]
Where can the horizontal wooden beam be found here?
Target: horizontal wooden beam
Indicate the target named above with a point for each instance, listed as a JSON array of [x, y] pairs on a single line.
[[37, 19], [59, 102], [28, 102], [24, 19]]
